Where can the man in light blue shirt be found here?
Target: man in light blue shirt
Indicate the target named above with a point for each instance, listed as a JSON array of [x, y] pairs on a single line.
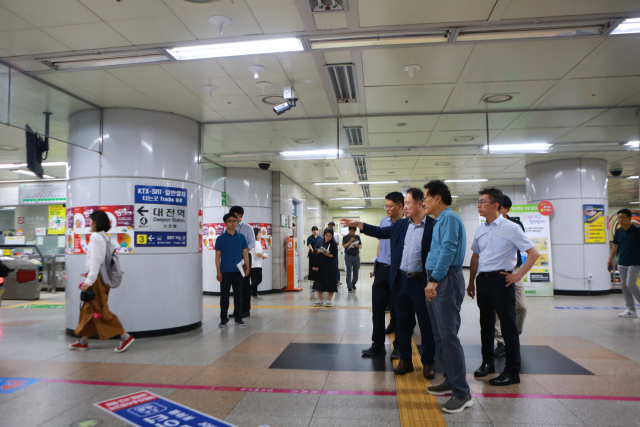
[[444, 293], [494, 257]]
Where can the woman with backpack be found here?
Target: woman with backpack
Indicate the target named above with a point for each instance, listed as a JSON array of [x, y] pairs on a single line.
[[95, 316]]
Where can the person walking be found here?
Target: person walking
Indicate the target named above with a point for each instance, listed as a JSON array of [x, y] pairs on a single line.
[[626, 244], [247, 231], [313, 242], [231, 249], [381, 294], [327, 253], [336, 238], [445, 293], [494, 249], [410, 239], [95, 316], [521, 298], [352, 245], [257, 255]]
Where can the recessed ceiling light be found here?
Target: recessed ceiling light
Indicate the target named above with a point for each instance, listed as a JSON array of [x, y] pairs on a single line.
[[463, 138], [443, 164], [532, 147], [333, 183], [376, 182], [345, 198], [634, 144], [352, 207], [8, 148], [305, 141], [401, 124], [254, 47], [316, 153], [467, 180], [629, 26], [497, 99], [273, 100], [323, 165]]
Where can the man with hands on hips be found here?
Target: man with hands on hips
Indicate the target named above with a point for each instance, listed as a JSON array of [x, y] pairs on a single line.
[[494, 257]]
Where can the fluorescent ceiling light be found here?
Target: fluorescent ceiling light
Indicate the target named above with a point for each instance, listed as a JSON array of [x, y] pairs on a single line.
[[352, 207], [455, 196], [629, 26], [24, 172], [633, 177], [373, 198], [310, 153], [467, 180], [54, 164], [245, 154], [105, 59], [333, 183], [312, 209], [22, 165], [634, 203], [535, 147], [345, 198], [634, 144], [219, 50], [377, 182], [377, 40], [483, 35], [14, 181], [7, 209]]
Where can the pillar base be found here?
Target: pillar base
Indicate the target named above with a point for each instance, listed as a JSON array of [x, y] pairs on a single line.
[[150, 334], [584, 293]]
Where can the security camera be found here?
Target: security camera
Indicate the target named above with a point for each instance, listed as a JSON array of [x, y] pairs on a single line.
[[290, 101], [616, 171], [264, 166]]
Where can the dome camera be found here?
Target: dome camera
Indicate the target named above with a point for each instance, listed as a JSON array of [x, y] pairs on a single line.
[[264, 165], [615, 171]]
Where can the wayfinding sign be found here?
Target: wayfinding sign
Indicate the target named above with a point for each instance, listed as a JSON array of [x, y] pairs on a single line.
[[161, 195], [160, 216]]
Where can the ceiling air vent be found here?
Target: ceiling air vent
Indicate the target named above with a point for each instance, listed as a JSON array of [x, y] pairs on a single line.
[[354, 135], [361, 168], [343, 81]]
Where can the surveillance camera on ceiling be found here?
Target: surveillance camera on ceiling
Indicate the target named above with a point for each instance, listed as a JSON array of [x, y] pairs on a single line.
[[264, 165], [616, 172], [290, 101]]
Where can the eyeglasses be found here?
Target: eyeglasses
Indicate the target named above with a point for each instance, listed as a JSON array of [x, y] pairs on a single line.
[[389, 207], [232, 220], [483, 202]]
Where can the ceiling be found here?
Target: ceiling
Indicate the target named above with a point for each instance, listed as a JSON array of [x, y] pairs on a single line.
[[586, 75]]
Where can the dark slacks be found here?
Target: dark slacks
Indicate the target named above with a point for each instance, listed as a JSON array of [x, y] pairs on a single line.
[[229, 281], [382, 296], [411, 303], [256, 279], [246, 289], [495, 297]]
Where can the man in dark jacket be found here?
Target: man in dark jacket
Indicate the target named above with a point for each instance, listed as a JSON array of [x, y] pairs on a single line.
[[410, 239]]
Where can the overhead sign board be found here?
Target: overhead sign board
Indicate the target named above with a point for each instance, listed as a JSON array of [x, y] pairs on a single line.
[[52, 193], [161, 239], [155, 195]]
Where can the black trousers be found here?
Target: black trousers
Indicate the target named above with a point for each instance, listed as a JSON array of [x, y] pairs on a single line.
[[246, 289], [256, 279], [411, 303], [382, 296], [229, 281], [495, 297]]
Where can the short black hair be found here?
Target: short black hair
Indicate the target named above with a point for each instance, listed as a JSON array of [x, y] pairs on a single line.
[[506, 201], [328, 230], [439, 188], [227, 216], [314, 228], [416, 193], [332, 223], [256, 231], [352, 228], [101, 220], [396, 197], [495, 195], [236, 210], [625, 211]]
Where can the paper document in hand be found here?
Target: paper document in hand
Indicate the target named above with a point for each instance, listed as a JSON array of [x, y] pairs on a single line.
[[355, 243], [240, 266]]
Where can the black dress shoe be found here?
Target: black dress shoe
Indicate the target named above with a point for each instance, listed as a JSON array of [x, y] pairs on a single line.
[[484, 370], [429, 372], [390, 330], [395, 354], [500, 351], [246, 313], [505, 379], [404, 367], [372, 351]]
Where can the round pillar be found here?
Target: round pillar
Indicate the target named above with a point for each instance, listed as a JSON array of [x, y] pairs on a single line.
[[161, 292], [568, 185]]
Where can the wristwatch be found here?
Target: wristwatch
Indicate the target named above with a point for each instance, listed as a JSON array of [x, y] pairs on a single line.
[[431, 279]]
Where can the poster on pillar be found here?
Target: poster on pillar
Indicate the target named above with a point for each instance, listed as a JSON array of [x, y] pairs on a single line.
[[78, 228], [210, 233], [539, 280], [160, 216], [595, 230], [265, 233]]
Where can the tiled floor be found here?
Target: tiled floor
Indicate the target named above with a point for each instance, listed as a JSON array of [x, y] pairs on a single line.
[[591, 362]]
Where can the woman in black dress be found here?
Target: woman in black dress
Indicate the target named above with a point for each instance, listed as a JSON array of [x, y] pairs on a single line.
[[314, 242], [326, 258]]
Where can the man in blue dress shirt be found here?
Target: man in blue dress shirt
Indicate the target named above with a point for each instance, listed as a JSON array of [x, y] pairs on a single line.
[[247, 231], [444, 293], [494, 258]]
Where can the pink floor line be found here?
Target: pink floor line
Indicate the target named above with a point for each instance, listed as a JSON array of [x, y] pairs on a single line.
[[557, 396], [241, 389]]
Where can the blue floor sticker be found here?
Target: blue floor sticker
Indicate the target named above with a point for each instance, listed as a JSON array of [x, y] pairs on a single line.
[[11, 385], [593, 308], [148, 409]]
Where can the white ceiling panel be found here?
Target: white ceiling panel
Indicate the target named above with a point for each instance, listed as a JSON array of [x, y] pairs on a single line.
[[181, 7], [157, 29], [469, 97], [11, 21], [439, 64], [242, 22], [411, 124], [554, 119], [616, 117], [29, 42], [338, 57], [448, 138], [392, 163], [406, 139], [601, 133], [522, 136], [375, 13], [201, 69], [248, 84], [476, 121], [278, 19], [587, 92], [229, 102], [95, 35], [238, 66], [249, 113], [530, 60], [330, 21], [614, 57], [225, 86], [404, 99], [111, 10], [43, 13], [519, 9]]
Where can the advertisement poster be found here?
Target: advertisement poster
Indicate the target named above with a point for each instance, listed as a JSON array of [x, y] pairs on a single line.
[[539, 280], [57, 219], [594, 224], [200, 230], [78, 233], [265, 233], [210, 233]]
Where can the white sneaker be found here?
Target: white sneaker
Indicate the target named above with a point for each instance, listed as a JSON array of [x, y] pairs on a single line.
[[327, 304], [257, 298], [628, 314], [319, 304]]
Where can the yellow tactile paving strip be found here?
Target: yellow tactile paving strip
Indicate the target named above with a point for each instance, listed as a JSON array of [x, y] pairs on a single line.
[[417, 407]]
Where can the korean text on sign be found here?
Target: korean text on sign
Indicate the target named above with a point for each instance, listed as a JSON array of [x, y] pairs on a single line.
[[161, 195]]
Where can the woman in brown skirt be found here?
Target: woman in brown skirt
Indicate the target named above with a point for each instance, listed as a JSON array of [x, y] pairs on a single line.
[[95, 316]]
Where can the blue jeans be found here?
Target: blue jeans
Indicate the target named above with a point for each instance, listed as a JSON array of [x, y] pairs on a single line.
[[444, 311]]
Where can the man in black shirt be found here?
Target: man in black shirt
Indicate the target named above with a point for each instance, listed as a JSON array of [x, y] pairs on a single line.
[[521, 299], [352, 245], [626, 243]]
